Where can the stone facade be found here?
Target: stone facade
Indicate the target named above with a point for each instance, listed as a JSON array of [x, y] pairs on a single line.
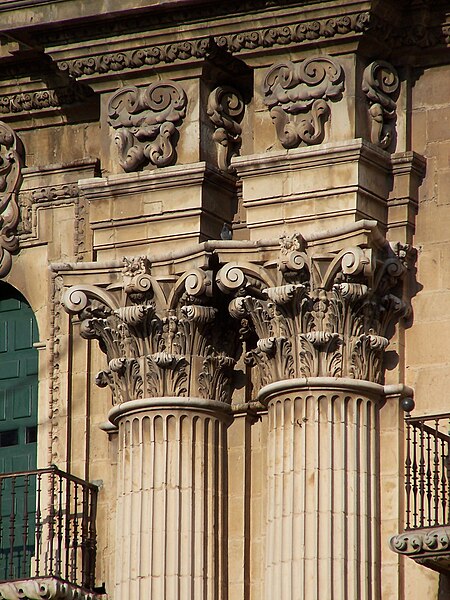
[[230, 221]]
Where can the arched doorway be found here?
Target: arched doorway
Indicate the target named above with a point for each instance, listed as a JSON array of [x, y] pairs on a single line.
[[18, 431]]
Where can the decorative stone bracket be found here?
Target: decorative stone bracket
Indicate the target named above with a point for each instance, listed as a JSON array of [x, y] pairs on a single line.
[[145, 121], [45, 588], [225, 110], [380, 83], [10, 180], [429, 547], [297, 94]]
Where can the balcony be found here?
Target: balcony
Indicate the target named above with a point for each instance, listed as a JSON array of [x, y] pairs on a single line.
[[426, 538], [47, 535]]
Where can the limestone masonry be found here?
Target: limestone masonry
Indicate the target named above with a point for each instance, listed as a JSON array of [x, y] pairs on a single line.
[[226, 226]]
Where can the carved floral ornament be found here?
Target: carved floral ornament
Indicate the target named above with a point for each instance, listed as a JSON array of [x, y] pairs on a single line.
[[380, 84], [10, 180], [314, 315], [145, 121], [297, 95]]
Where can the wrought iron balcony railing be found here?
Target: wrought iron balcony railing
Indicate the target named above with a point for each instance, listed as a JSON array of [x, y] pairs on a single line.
[[47, 527], [427, 492]]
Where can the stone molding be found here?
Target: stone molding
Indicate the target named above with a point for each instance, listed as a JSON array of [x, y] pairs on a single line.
[[145, 121], [429, 546], [296, 95], [29, 199], [10, 180], [225, 110], [43, 588], [290, 34], [44, 99], [380, 84]]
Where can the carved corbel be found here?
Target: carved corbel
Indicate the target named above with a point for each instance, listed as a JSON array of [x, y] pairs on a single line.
[[297, 95], [145, 122], [10, 180], [380, 84], [225, 110]]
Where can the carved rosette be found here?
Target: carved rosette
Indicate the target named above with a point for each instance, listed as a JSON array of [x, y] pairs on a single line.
[[10, 180], [157, 346], [225, 110], [380, 84], [145, 121], [331, 316], [297, 95]]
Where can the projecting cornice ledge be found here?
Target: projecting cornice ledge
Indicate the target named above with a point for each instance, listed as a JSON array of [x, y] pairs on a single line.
[[429, 547]]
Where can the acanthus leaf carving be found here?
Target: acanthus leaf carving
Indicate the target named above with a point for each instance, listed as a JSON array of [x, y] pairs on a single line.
[[336, 323], [156, 347], [225, 110], [145, 122], [297, 94], [380, 84], [10, 180]]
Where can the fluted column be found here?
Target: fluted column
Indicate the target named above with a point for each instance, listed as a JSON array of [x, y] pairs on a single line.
[[171, 518], [322, 538], [169, 368], [321, 329]]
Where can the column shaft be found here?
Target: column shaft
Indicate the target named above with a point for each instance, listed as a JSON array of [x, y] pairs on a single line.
[[322, 532], [171, 538]]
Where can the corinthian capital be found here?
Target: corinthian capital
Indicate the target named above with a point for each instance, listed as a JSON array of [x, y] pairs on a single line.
[[330, 317], [157, 342]]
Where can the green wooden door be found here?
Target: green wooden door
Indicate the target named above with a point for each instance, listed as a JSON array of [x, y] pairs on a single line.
[[18, 431]]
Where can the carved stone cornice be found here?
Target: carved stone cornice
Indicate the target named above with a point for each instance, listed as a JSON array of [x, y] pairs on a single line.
[[145, 123], [156, 344], [225, 110], [10, 180], [331, 316], [306, 32], [45, 588], [43, 99], [380, 84], [297, 94], [429, 547]]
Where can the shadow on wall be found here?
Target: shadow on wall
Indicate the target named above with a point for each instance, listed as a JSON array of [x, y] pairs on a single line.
[[444, 587]]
